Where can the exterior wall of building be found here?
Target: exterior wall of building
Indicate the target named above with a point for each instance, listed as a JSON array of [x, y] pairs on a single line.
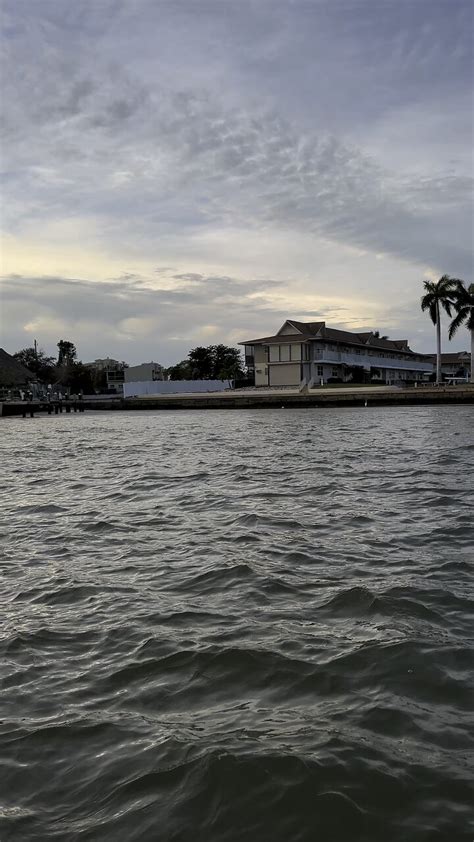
[[323, 371], [285, 352], [392, 367], [280, 361], [285, 375], [260, 354], [261, 374], [261, 365], [143, 372], [107, 364]]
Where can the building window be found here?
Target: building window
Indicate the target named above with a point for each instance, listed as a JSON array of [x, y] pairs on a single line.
[[320, 370], [295, 351], [284, 353], [335, 372]]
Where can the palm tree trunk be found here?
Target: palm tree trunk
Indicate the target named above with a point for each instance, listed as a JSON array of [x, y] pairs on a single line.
[[472, 356], [439, 376]]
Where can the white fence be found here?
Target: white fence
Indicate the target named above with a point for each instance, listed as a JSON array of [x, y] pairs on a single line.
[[172, 387]]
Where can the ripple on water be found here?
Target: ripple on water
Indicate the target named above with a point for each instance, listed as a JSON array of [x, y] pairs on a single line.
[[238, 626]]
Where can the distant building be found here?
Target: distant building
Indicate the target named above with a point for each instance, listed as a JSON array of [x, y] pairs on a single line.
[[313, 353], [113, 372], [144, 372], [106, 364], [456, 364]]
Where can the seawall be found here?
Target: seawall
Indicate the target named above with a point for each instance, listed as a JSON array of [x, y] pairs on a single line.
[[255, 400], [324, 398]]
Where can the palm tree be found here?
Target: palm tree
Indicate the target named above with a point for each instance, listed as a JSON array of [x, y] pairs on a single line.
[[464, 306], [438, 294]]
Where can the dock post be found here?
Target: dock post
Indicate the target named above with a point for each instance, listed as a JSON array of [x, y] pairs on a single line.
[[56, 409], [68, 407]]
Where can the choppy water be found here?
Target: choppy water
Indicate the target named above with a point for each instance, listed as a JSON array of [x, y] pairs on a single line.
[[224, 626]]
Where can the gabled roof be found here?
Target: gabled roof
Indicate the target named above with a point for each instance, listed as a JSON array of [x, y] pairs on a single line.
[[13, 373], [265, 340], [367, 338], [305, 328], [306, 331]]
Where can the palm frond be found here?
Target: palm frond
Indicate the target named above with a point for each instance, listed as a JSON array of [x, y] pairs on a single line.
[[426, 301], [457, 321]]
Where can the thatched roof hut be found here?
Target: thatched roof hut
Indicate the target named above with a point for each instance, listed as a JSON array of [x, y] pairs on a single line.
[[13, 373]]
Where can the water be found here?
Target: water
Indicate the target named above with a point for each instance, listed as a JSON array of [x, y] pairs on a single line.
[[224, 626]]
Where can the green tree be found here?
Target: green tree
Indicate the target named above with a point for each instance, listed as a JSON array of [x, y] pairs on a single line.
[[201, 363], [180, 371], [358, 374], [215, 362], [66, 352], [38, 362], [438, 294], [77, 377], [464, 306], [227, 362]]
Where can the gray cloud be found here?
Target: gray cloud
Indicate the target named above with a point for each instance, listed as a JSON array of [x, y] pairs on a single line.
[[148, 123], [150, 161], [128, 318], [130, 315]]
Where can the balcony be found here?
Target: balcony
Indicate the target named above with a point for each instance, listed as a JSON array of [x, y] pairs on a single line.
[[367, 361]]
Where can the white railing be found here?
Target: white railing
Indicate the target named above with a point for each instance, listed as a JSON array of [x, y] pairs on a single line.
[[366, 361]]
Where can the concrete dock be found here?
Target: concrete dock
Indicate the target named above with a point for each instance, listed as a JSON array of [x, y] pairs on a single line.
[[259, 399], [321, 397]]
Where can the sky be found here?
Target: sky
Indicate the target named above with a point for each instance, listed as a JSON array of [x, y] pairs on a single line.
[[185, 172]]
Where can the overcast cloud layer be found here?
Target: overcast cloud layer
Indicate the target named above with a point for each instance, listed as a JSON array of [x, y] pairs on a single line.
[[179, 173]]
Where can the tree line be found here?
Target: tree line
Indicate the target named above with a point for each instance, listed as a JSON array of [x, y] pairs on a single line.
[[65, 369], [454, 297], [214, 362]]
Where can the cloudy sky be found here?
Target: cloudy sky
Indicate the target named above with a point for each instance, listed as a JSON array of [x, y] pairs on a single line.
[[181, 172]]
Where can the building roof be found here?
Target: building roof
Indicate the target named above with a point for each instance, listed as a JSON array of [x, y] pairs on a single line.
[[313, 330], [13, 373]]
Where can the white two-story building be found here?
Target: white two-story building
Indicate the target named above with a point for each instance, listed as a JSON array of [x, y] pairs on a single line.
[[310, 352]]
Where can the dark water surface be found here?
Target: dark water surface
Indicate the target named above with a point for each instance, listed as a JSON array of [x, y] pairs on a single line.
[[224, 626]]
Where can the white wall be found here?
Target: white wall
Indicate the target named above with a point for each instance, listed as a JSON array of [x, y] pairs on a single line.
[[172, 387], [144, 372], [285, 375]]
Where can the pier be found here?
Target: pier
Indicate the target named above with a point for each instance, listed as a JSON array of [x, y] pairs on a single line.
[[28, 409]]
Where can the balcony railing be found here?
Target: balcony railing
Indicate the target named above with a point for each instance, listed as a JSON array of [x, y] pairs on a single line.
[[366, 361]]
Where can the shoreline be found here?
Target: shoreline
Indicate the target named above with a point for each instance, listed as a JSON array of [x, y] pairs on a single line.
[[284, 398]]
